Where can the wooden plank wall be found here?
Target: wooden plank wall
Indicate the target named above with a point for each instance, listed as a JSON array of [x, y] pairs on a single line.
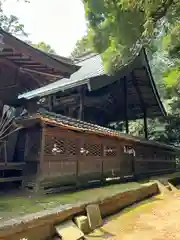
[[71, 157]]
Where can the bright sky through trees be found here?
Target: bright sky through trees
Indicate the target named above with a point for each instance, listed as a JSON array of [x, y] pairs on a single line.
[[59, 23]]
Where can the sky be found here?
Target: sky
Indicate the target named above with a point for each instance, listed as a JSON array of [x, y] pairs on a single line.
[[59, 23]]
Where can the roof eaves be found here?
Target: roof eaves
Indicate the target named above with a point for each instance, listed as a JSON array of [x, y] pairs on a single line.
[[155, 91], [14, 42], [78, 125], [80, 78]]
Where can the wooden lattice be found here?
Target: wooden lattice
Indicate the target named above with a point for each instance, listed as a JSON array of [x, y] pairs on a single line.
[[54, 145], [71, 147], [110, 151], [3, 151], [92, 150], [59, 145], [72, 156]]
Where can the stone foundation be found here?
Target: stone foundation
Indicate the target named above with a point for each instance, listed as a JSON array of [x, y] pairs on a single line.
[[40, 226]]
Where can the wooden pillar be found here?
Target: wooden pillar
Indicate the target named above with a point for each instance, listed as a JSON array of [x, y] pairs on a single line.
[[41, 159], [81, 104], [145, 124], [125, 105], [1, 108], [143, 105], [67, 111], [32, 106], [51, 103]]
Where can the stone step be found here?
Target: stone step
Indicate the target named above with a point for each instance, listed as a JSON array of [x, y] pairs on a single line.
[[68, 230]]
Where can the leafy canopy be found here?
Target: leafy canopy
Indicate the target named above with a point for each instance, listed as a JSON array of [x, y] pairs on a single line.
[[82, 46], [11, 23], [44, 47], [118, 28]]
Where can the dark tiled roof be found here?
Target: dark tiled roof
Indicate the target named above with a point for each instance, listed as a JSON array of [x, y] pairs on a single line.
[[81, 126]]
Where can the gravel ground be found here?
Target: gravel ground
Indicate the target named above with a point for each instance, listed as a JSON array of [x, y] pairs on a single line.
[[155, 219]]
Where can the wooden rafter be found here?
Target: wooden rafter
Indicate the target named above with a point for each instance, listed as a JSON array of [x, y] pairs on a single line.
[[15, 46]]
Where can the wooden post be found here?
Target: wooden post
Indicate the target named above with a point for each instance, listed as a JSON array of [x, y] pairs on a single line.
[[41, 158], [143, 106], [81, 104], [51, 103], [126, 105], [145, 125]]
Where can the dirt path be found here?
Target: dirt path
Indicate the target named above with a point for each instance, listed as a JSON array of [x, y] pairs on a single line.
[[156, 219]]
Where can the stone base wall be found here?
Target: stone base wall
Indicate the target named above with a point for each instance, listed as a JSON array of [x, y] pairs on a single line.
[[40, 226]]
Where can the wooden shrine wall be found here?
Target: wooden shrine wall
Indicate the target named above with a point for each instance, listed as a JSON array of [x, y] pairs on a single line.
[[71, 157]]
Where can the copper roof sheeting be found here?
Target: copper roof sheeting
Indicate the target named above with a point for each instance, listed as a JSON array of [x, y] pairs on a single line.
[[68, 123]]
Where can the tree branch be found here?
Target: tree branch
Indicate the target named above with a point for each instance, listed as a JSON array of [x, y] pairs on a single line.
[[161, 11]]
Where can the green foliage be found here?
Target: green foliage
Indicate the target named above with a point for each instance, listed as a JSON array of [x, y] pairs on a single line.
[[109, 25], [121, 27], [156, 129], [172, 76], [82, 47], [11, 24], [172, 41], [44, 47]]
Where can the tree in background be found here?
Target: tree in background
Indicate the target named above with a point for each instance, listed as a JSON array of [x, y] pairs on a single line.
[[11, 23], [44, 47], [82, 47], [119, 28]]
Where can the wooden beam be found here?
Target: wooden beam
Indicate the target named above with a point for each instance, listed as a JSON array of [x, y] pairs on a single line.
[[81, 103], [50, 103], [8, 63], [36, 54], [41, 155], [145, 125], [9, 54], [125, 104], [20, 58], [37, 72], [27, 65], [38, 79], [35, 66]]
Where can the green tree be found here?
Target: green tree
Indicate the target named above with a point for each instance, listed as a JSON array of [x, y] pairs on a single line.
[[44, 47], [120, 27], [82, 47], [11, 24]]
